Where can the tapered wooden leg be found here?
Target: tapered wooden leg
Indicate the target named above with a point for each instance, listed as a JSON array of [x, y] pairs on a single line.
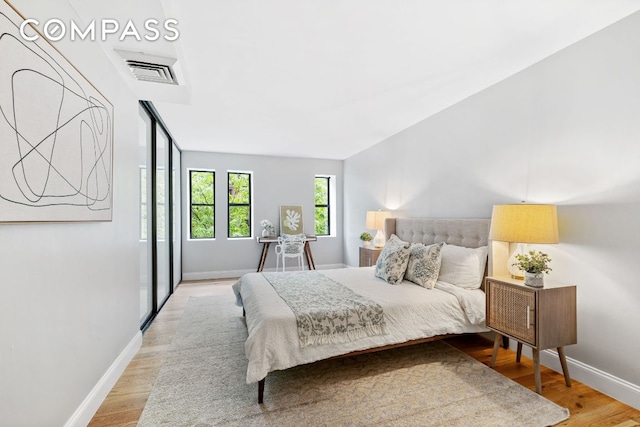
[[536, 370], [519, 352], [261, 391], [263, 256], [496, 345], [505, 342], [565, 368], [309, 256]]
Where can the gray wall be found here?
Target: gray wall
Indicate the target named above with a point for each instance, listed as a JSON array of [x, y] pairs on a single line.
[[69, 296], [276, 181], [565, 131]]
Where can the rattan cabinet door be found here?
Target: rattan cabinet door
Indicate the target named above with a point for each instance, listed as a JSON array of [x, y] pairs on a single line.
[[369, 256], [512, 310]]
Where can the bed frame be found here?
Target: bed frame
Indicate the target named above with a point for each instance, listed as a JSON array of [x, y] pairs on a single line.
[[471, 233]]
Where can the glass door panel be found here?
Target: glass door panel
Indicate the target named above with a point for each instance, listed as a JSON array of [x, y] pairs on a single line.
[[144, 193], [177, 218], [159, 214], [163, 278]]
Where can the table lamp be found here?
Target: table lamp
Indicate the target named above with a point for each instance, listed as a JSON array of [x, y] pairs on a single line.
[[521, 224], [375, 221]]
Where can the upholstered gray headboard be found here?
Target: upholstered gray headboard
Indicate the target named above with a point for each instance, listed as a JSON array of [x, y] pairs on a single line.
[[471, 233]]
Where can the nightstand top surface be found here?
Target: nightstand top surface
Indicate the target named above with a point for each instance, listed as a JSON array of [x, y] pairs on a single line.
[[548, 284]]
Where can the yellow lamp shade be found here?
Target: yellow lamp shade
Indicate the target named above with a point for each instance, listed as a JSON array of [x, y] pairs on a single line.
[[375, 219], [524, 223]]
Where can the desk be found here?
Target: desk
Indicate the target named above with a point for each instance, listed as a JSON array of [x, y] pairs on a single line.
[[266, 242]]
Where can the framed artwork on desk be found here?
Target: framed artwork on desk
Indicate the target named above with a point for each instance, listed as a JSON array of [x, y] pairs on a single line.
[[291, 220]]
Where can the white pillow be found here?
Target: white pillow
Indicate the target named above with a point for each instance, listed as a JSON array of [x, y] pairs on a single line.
[[463, 267], [424, 264]]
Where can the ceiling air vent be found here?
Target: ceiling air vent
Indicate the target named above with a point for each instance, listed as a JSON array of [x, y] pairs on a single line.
[[149, 68], [151, 72]]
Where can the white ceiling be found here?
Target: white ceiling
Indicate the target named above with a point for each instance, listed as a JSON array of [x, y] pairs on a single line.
[[327, 79]]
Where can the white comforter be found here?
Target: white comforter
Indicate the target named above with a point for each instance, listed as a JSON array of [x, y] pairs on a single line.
[[411, 312]]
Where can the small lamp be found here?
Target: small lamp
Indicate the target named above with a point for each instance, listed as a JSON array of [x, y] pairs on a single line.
[[523, 223], [375, 221]]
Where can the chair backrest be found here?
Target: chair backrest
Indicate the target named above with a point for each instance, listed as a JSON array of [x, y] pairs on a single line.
[[291, 244]]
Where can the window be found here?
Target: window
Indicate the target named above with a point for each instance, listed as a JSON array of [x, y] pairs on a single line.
[[239, 204], [322, 211], [202, 192]]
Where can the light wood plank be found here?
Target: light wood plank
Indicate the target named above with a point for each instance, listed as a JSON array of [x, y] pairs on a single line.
[[629, 423], [587, 406]]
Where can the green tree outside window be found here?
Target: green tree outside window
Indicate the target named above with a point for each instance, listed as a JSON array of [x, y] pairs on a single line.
[[239, 184], [322, 223], [202, 192]]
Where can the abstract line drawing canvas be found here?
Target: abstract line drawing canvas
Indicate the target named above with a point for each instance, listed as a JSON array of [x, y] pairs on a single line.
[[56, 134]]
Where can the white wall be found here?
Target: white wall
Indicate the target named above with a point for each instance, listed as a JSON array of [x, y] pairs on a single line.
[[565, 131], [69, 297], [276, 181]]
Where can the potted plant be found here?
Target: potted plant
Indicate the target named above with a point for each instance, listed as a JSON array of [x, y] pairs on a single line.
[[366, 239], [534, 265]]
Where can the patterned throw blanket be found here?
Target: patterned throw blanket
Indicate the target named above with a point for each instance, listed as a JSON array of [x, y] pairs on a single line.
[[327, 311]]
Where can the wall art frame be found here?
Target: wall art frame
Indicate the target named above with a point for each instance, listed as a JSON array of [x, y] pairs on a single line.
[[291, 220], [56, 133]]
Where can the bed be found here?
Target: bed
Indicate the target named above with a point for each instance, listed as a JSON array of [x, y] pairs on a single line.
[[412, 314]]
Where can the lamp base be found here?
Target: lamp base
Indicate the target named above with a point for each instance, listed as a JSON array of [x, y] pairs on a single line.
[[514, 271], [378, 241]]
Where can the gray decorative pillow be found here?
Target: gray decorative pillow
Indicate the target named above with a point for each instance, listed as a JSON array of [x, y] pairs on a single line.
[[424, 264], [393, 260]]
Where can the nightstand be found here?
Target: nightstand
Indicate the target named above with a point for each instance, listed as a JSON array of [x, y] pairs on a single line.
[[369, 256], [540, 318]]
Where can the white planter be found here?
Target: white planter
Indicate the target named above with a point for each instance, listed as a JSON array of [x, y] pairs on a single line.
[[366, 243], [534, 280]]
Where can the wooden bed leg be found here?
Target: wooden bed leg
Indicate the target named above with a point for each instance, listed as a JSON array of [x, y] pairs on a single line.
[[261, 391]]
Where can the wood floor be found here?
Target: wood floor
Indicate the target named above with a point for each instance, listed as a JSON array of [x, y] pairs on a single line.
[[125, 402]]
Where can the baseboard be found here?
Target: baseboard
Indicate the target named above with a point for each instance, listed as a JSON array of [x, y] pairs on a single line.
[[619, 389], [229, 274], [211, 275], [330, 266], [87, 409]]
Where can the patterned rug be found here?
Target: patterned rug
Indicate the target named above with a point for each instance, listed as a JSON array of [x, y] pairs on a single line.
[[202, 383]]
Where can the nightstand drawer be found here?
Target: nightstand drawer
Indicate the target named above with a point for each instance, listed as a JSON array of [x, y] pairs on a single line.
[[512, 311]]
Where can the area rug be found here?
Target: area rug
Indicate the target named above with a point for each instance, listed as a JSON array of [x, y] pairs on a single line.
[[202, 383]]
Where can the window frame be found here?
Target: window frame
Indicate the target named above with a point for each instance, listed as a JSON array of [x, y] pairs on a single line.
[[191, 204], [327, 205], [249, 204]]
